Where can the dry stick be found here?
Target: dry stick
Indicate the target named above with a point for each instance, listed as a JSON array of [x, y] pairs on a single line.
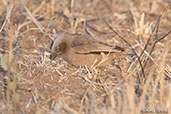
[[107, 5], [101, 32], [148, 41], [9, 10], [9, 76], [37, 23], [142, 70], [153, 46], [158, 25], [83, 98], [86, 22], [156, 35], [67, 18]]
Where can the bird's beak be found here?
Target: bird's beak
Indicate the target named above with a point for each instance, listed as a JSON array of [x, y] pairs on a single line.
[[53, 56]]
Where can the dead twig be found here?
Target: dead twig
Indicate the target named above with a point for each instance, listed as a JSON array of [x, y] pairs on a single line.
[[9, 10], [154, 44], [148, 41], [142, 70]]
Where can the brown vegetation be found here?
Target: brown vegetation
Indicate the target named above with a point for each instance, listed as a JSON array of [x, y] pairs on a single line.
[[31, 83]]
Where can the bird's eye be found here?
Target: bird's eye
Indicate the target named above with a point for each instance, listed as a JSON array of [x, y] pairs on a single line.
[[62, 47], [57, 49]]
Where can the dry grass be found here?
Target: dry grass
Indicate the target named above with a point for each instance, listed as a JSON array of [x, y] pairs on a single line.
[[33, 84]]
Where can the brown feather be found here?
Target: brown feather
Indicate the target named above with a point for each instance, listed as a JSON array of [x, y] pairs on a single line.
[[82, 50]]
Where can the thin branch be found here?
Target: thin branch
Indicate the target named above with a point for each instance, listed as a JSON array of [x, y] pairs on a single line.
[[9, 10], [163, 37], [92, 28], [148, 41], [142, 70], [154, 44], [158, 25]]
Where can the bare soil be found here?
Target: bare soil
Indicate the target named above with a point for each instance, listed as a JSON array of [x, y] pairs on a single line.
[[44, 86]]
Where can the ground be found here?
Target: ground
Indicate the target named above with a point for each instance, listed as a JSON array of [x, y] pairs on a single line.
[[32, 83]]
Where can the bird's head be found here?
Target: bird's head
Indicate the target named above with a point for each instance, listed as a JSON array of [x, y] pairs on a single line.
[[59, 47]]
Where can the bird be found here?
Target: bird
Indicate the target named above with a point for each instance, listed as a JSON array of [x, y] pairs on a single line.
[[84, 50]]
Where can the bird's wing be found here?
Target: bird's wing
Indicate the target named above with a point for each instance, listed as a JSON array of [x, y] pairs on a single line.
[[85, 46]]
